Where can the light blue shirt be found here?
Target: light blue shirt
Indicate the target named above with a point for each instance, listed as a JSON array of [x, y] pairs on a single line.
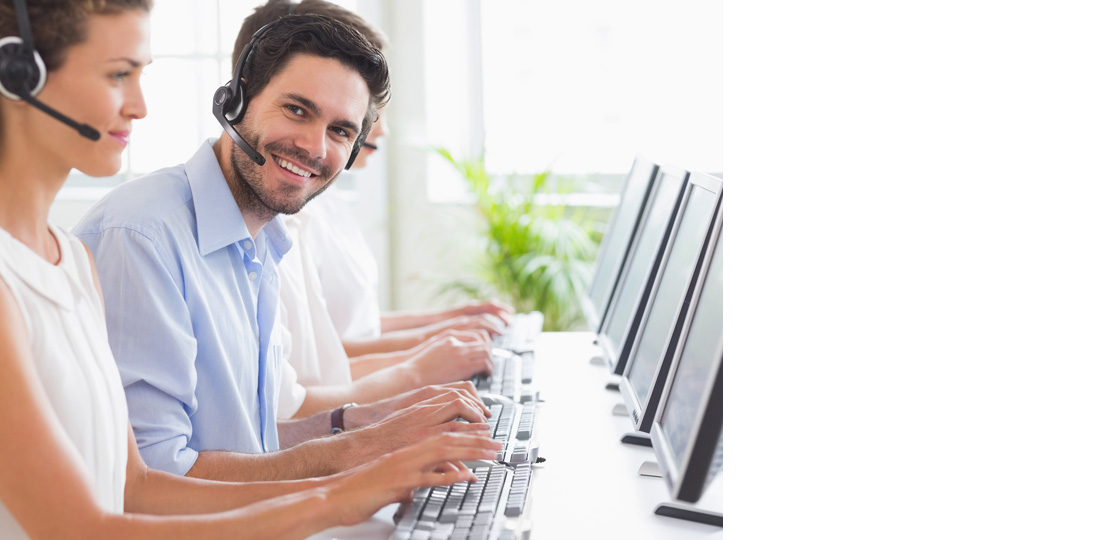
[[191, 302]]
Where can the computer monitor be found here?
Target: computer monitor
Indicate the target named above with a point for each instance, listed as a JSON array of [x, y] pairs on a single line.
[[671, 296], [617, 241], [630, 297], [688, 426]]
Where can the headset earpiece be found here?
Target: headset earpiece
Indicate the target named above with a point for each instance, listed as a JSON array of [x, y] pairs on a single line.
[[232, 104], [22, 71]]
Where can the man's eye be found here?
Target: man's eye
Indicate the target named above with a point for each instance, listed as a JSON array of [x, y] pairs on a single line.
[[341, 132], [295, 109]]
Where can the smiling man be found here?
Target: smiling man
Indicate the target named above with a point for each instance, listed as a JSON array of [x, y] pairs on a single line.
[[188, 257]]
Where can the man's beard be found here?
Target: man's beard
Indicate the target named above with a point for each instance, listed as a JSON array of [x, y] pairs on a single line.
[[248, 188]]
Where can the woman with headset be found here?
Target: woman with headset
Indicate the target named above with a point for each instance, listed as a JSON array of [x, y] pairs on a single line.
[[69, 465]]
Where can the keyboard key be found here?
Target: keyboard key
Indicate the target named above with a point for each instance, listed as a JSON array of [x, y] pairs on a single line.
[[519, 455], [527, 367], [526, 423], [410, 517], [441, 531]]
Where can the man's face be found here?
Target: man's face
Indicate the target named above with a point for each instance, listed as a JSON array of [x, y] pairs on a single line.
[[304, 122]]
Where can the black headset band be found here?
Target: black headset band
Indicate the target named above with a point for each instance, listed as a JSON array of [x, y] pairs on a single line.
[[24, 19], [243, 60]]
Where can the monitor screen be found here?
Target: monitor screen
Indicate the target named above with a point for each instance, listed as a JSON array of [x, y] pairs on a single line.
[[657, 337], [617, 240], [631, 292], [690, 418]]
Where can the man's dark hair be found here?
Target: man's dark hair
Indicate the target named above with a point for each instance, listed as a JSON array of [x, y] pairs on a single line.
[[317, 35], [273, 9]]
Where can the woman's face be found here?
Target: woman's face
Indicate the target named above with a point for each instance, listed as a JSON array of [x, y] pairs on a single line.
[[97, 84], [379, 130]]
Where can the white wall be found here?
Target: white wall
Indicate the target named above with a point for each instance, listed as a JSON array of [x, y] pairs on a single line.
[[426, 238]]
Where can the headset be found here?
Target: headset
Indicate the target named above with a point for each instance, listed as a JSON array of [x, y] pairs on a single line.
[[23, 74], [229, 104]]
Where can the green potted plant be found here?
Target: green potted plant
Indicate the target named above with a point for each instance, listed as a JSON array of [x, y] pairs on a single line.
[[537, 257]]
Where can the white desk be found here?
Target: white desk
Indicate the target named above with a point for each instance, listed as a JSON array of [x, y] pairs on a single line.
[[589, 486]]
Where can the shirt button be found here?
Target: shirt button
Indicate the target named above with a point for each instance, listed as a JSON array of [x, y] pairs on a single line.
[[247, 244], [252, 276]]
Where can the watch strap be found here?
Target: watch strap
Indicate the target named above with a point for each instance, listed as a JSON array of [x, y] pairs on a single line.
[[337, 419]]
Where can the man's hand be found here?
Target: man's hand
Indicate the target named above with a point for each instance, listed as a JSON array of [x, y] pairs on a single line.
[[409, 426], [364, 415]]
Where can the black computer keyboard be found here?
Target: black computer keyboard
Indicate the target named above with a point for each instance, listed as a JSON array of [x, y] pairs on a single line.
[[484, 510]]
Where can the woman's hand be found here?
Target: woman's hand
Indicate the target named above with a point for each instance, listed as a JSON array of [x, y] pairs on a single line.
[[436, 461], [491, 307], [452, 356]]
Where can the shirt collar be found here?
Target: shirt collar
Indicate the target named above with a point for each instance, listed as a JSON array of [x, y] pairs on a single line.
[[219, 220], [276, 232]]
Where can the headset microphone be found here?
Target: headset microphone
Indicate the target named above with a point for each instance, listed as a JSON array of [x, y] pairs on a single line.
[[85, 130], [23, 74]]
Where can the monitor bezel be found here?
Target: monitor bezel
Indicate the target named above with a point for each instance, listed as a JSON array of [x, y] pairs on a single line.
[[686, 477], [615, 354], [594, 315], [638, 408]]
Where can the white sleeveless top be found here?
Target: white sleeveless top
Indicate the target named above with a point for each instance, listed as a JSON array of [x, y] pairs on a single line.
[[69, 344]]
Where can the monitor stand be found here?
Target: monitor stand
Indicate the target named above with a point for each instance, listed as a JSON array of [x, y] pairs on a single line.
[[613, 383], [709, 510], [690, 513], [597, 361], [650, 468], [637, 438]]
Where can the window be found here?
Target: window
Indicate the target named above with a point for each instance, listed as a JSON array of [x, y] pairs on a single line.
[[581, 86]]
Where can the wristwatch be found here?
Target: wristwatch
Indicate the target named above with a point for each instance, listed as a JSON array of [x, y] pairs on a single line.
[[338, 418]]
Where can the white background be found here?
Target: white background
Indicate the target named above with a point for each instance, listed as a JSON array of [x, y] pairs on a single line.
[[922, 311]]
